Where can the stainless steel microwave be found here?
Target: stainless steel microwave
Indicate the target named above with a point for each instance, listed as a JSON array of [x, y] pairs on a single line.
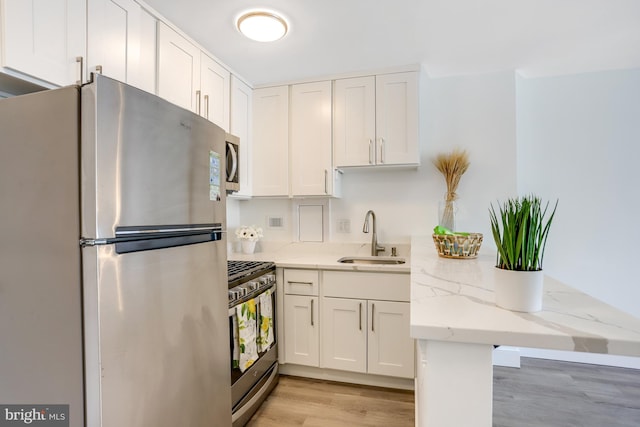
[[233, 163]]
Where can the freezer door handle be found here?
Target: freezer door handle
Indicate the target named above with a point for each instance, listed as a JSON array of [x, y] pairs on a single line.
[[135, 239]]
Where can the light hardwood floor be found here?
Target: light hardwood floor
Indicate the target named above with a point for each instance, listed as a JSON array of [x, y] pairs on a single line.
[[541, 394]]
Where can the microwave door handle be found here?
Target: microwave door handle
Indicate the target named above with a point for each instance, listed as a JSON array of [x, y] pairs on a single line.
[[234, 161]]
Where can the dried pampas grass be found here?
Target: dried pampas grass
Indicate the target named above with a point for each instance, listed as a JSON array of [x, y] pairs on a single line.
[[452, 166]]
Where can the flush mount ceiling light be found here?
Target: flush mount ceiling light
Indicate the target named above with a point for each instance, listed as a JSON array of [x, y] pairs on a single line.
[[262, 26]]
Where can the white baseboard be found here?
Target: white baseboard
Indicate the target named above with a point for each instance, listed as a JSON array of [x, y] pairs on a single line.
[[506, 356], [347, 377], [580, 357]]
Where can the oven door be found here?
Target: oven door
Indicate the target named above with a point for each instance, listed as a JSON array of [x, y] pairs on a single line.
[[244, 380], [233, 161]]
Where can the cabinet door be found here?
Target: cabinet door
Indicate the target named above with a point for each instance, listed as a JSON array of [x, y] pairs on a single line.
[[271, 141], [43, 38], [240, 124], [397, 118], [311, 171], [214, 87], [354, 121], [113, 39], [178, 69], [145, 78], [344, 334], [390, 348], [301, 330]]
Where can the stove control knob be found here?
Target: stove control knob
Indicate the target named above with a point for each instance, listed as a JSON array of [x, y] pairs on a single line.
[[271, 278], [252, 286], [263, 280]]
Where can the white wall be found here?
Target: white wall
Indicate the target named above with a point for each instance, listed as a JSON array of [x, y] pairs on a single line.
[[579, 141], [574, 137], [476, 113]]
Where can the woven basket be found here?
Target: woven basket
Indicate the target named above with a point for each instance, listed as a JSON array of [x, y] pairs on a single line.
[[461, 247]]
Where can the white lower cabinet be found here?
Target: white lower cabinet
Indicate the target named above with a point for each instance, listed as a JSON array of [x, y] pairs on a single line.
[[367, 336], [301, 315], [349, 321], [301, 329], [390, 349], [344, 334]]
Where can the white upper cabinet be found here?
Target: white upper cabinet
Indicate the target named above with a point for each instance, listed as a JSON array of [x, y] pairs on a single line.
[[178, 69], [45, 39], [397, 119], [270, 145], [376, 120], [354, 121], [214, 87], [145, 78], [240, 126], [191, 79], [311, 165], [121, 42]]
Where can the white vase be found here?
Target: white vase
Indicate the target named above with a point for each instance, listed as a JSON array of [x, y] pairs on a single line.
[[519, 290], [248, 246]]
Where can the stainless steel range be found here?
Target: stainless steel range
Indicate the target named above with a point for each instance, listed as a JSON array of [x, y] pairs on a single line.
[[253, 340]]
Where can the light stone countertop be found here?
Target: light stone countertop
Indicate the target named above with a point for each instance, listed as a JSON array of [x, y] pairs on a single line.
[[453, 300], [323, 256]]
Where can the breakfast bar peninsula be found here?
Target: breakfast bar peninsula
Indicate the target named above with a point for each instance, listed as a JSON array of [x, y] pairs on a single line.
[[456, 324]]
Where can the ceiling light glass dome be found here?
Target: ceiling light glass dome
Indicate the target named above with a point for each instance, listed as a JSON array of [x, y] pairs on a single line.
[[262, 26]]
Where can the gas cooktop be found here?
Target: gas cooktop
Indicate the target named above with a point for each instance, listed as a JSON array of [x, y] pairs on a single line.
[[243, 271]]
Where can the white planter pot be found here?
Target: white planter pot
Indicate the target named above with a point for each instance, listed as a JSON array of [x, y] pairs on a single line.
[[248, 246], [519, 290]]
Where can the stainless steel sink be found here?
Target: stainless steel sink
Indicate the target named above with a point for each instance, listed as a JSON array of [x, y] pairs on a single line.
[[371, 260]]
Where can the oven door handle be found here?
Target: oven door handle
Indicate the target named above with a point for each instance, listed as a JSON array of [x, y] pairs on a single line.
[[272, 286]]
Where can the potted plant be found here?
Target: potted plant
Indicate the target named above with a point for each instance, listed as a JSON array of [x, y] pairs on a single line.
[[248, 236], [520, 232]]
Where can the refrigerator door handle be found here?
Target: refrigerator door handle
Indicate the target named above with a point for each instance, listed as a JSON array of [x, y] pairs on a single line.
[[135, 239]]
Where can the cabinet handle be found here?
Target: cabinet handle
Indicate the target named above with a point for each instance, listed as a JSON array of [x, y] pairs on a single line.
[[312, 312], [206, 106], [370, 152], [300, 283], [326, 186], [381, 150], [360, 316], [198, 102], [80, 60], [373, 310], [99, 69]]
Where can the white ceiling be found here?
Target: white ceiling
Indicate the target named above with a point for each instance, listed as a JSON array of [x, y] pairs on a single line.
[[449, 37]]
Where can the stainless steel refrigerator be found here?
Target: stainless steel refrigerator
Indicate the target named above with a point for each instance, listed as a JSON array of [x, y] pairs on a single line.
[[113, 277]]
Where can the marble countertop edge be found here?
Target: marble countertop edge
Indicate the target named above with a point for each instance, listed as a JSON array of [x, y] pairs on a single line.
[[453, 300]]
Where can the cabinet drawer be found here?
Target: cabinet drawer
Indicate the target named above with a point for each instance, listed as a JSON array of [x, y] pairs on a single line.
[[301, 282], [365, 285]]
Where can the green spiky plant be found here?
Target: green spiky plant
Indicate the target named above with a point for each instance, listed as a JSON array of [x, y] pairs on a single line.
[[520, 233]]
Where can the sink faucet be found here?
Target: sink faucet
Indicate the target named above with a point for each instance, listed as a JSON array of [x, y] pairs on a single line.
[[375, 248]]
